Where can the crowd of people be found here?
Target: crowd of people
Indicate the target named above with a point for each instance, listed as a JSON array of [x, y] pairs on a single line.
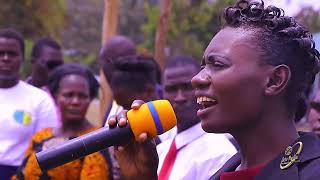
[[237, 110]]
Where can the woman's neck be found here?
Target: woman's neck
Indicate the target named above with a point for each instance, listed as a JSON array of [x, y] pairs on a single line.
[[75, 128], [263, 142]]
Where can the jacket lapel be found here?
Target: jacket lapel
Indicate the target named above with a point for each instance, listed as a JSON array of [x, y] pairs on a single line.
[[310, 150], [273, 171], [229, 166]]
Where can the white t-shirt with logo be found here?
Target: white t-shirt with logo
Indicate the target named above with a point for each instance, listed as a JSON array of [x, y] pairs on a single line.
[[24, 110]]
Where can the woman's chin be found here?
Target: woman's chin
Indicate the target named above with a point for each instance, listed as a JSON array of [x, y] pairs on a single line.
[[75, 120], [212, 128]]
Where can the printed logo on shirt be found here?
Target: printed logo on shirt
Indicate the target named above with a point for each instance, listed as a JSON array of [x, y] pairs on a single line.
[[22, 117]]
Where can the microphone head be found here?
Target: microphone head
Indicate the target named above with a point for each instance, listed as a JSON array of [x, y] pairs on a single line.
[[154, 118]]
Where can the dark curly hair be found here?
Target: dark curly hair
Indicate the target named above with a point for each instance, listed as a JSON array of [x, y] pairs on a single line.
[[182, 60], [41, 43], [282, 40], [134, 73], [69, 69], [14, 34]]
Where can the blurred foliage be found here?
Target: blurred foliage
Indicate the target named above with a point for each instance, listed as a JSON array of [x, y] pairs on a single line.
[[26, 67], [34, 18], [81, 40], [77, 24], [192, 24], [131, 18], [310, 18]]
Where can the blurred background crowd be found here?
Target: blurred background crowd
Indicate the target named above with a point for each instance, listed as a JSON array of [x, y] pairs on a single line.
[[91, 59]]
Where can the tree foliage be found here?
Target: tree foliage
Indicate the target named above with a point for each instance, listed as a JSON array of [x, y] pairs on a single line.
[[131, 19], [310, 18], [34, 18], [81, 39], [192, 24]]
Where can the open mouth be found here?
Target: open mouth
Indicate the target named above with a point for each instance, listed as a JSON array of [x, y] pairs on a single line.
[[206, 102]]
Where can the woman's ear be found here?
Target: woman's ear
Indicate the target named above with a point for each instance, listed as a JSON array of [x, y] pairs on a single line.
[[278, 80]]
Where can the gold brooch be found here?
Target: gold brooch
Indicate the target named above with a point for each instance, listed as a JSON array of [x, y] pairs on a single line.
[[289, 157]]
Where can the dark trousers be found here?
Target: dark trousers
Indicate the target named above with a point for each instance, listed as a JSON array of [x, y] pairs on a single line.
[[7, 171]]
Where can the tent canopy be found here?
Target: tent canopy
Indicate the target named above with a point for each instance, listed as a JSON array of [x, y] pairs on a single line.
[[316, 38]]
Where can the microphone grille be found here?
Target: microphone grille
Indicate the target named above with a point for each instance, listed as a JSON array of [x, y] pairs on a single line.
[[154, 118]]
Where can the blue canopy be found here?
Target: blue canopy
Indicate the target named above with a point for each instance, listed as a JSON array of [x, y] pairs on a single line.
[[316, 38]]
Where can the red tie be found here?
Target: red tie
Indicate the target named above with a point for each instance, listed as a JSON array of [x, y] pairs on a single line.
[[168, 162]]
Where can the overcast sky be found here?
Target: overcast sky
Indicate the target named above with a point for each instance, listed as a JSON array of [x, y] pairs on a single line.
[[292, 7]]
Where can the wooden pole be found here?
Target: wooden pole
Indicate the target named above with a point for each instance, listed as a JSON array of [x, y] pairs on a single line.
[[161, 34], [109, 29], [110, 19]]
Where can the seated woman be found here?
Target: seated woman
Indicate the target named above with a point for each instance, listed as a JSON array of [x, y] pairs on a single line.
[[256, 74], [73, 87]]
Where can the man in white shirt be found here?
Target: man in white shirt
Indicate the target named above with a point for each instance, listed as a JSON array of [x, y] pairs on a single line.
[[191, 153], [24, 109]]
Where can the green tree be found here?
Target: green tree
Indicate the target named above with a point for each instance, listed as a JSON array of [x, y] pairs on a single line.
[[310, 18], [192, 24], [131, 18], [81, 39], [34, 18]]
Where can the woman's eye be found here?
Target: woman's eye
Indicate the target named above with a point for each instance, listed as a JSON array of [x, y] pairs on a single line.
[[218, 64]]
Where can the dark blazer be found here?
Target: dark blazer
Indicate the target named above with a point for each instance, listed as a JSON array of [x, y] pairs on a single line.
[[307, 168]]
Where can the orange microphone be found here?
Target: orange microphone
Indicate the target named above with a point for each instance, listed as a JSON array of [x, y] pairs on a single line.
[[153, 118]]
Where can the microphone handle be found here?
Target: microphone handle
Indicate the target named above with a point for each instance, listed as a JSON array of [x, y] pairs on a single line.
[[83, 145]]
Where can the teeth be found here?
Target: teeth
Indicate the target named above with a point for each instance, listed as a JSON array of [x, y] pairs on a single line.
[[202, 100]]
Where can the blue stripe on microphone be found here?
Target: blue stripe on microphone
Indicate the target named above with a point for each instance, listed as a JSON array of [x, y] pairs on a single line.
[[155, 117]]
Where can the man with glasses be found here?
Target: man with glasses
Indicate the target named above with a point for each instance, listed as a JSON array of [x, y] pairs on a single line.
[[46, 55]]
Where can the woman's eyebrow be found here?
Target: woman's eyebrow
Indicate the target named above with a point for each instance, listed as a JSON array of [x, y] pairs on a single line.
[[218, 56]]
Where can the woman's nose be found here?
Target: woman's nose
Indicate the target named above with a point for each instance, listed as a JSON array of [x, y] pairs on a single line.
[[75, 100], [200, 80]]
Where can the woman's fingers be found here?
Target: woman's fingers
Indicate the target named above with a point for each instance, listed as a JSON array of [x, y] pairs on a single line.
[[112, 121], [136, 104], [122, 118], [142, 137]]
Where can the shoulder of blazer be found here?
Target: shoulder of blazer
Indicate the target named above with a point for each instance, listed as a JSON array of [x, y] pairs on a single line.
[[229, 166], [304, 168]]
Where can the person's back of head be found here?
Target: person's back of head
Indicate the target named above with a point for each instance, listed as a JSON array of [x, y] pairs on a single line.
[[158, 73], [115, 47], [133, 78]]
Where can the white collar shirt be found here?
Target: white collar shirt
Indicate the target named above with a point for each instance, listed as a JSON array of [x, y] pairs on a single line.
[[199, 156]]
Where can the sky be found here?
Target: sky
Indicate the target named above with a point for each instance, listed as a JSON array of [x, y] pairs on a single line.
[[292, 7]]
